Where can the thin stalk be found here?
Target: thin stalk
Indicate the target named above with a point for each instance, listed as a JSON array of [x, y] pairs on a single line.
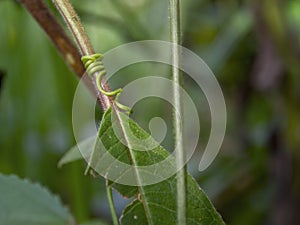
[[56, 33], [175, 29], [111, 204], [72, 20]]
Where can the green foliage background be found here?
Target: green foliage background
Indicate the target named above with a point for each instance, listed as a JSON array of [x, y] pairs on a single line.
[[253, 47]]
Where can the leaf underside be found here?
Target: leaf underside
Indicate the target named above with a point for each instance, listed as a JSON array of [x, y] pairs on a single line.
[[22, 202], [153, 204]]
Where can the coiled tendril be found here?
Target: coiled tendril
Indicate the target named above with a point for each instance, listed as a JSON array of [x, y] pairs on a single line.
[[93, 64]]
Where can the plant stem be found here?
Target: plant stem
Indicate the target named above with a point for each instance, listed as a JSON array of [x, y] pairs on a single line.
[[175, 29], [111, 204], [56, 33], [72, 20], [60, 39], [84, 44]]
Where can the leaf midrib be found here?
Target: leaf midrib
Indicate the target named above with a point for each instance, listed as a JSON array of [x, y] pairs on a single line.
[[132, 159]]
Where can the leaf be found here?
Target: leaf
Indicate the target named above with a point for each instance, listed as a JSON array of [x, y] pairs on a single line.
[[75, 154], [155, 203], [22, 202], [162, 204]]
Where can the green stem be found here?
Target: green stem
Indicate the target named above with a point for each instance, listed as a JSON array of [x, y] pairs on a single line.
[[72, 20], [175, 29], [111, 204]]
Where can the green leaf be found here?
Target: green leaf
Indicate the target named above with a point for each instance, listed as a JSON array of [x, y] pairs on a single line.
[[161, 199], [22, 202], [75, 154], [155, 203]]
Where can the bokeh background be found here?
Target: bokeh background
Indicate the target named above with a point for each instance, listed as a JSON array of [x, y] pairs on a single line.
[[253, 47]]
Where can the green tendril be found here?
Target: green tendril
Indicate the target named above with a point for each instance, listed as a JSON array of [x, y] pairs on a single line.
[[93, 64]]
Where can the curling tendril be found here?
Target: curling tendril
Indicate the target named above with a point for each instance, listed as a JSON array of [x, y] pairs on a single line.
[[93, 64]]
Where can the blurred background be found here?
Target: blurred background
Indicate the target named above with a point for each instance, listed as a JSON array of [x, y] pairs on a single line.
[[253, 48]]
